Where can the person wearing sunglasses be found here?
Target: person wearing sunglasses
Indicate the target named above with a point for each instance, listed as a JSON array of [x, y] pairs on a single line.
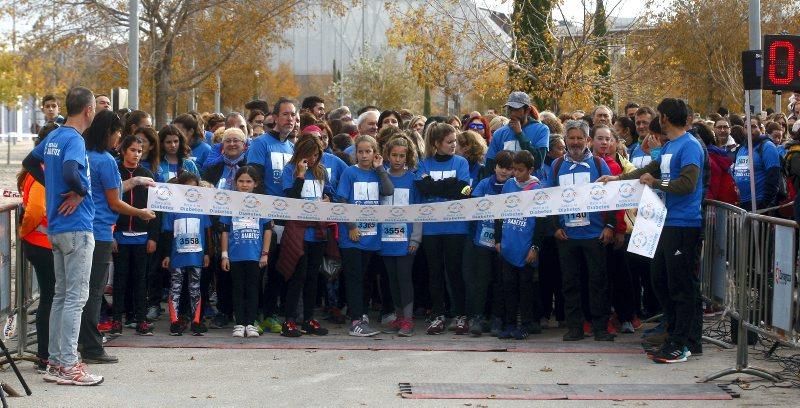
[[479, 125]]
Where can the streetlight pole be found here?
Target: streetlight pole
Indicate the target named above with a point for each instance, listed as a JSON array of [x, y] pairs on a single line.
[[133, 54], [754, 24]]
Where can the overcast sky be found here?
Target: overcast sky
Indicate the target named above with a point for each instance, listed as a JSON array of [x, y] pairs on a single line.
[[572, 9]]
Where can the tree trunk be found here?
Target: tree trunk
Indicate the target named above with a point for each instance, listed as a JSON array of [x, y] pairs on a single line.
[[162, 76], [446, 103], [426, 104]]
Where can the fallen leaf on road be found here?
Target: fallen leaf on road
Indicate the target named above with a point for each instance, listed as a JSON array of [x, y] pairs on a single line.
[[546, 369], [274, 377], [341, 357], [191, 358], [497, 360], [210, 396]]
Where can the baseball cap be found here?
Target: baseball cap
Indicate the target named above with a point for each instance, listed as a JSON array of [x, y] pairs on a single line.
[[518, 99]]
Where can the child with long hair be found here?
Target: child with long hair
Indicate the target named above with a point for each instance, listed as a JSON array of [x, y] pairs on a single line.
[[186, 236], [361, 184], [399, 241], [245, 250]]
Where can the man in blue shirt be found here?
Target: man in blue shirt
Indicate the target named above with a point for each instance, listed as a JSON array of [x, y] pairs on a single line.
[[70, 214], [766, 166], [678, 172], [582, 237], [523, 132]]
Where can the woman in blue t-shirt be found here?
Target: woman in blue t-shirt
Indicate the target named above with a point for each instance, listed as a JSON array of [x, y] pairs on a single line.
[[304, 177], [176, 154], [399, 241], [102, 136], [443, 176], [362, 184], [245, 250]]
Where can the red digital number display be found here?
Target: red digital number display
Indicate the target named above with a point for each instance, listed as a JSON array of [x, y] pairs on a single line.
[[781, 55]]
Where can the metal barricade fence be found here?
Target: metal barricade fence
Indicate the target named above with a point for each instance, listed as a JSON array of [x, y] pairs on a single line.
[[723, 236], [18, 286], [767, 289]]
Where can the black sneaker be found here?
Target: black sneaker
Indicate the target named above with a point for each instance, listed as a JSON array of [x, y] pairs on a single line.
[[41, 366], [289, 329], [219, 321], [144, 328], [313, 327], [602, 335], [175, 329], [696, 349], [116, 328], [198, 329], [672, 353], [475, 327], [574, 334], [100, 359]]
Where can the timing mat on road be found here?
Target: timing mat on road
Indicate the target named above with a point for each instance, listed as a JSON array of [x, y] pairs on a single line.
[[586, 392]]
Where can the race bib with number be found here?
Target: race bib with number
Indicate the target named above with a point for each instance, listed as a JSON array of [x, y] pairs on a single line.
[[576, 220], [742, 167], [394, 232], [487, 236], [512, 145], [187, 235], [368, 228]]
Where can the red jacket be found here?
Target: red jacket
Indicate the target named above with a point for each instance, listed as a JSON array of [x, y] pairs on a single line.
[[721, 186], [616, 170]]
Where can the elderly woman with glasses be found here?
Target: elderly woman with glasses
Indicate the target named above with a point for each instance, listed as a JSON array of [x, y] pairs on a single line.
[[220, 174]]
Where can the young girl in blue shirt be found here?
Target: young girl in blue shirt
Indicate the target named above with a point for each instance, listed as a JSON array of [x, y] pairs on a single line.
[[399, 241], [245, 250], [187, 239], [361, 184]]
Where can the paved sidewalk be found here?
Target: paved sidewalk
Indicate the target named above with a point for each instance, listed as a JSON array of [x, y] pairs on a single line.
[[269, 374]]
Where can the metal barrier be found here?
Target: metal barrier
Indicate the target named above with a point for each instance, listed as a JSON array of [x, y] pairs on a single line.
[[14, 267], [768, 289], [723, 238]]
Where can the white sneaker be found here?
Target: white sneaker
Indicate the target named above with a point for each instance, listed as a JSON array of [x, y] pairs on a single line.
[[238, 331], [77, 375], [251, 330], [627, 327]]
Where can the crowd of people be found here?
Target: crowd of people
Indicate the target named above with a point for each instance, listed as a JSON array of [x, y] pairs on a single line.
[[86, 182]]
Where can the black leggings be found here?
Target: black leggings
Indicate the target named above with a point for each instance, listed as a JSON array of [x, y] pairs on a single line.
[[444, 264], [481, 264], [42, 260], [398, 272], [518, 293], [304, 282], [246, 283], [550, 277], [355, 262], [130, 265]]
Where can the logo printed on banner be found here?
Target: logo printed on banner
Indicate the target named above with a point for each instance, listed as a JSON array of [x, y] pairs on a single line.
[[541, 198], [310, 208], [279, 204], [648, 212], [397, 211], [338, 209], [484, 204], [626, 191], [251, 202], [512, 201], [193, 195], [568, 195], [163, 193], [597, 192], [367, 211], [222, 198], [639, 240], [426, 210], [455, 208]]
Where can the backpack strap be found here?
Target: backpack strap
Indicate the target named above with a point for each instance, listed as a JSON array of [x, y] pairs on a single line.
[[556, 168]]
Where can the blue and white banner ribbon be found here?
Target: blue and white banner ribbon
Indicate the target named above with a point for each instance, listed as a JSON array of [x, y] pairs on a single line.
[[617, 195]]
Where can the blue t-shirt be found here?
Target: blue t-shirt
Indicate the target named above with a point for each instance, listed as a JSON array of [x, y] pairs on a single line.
[[312, 191], [245, 237], [270, 152], [517, 232], [581, 225], [60, 146], [106, 177], [543, 174], [209, 137], [200, 153], [395, 236], [360, 187], [639, 158], [765, 157], [504, 139], [474, 171], [335, 167], [189, 238], [633, 148], [455, 167], [781, 150], [350, 150], [483, 231], [683, 210]]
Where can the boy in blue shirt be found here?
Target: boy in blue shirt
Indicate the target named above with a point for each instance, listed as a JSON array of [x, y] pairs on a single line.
[[519, 247]]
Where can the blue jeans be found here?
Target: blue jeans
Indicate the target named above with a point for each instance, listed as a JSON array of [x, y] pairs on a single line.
[[72, 261]]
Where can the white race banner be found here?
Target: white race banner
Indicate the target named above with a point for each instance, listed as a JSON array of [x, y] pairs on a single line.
[[616, 195], [650, 218]]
